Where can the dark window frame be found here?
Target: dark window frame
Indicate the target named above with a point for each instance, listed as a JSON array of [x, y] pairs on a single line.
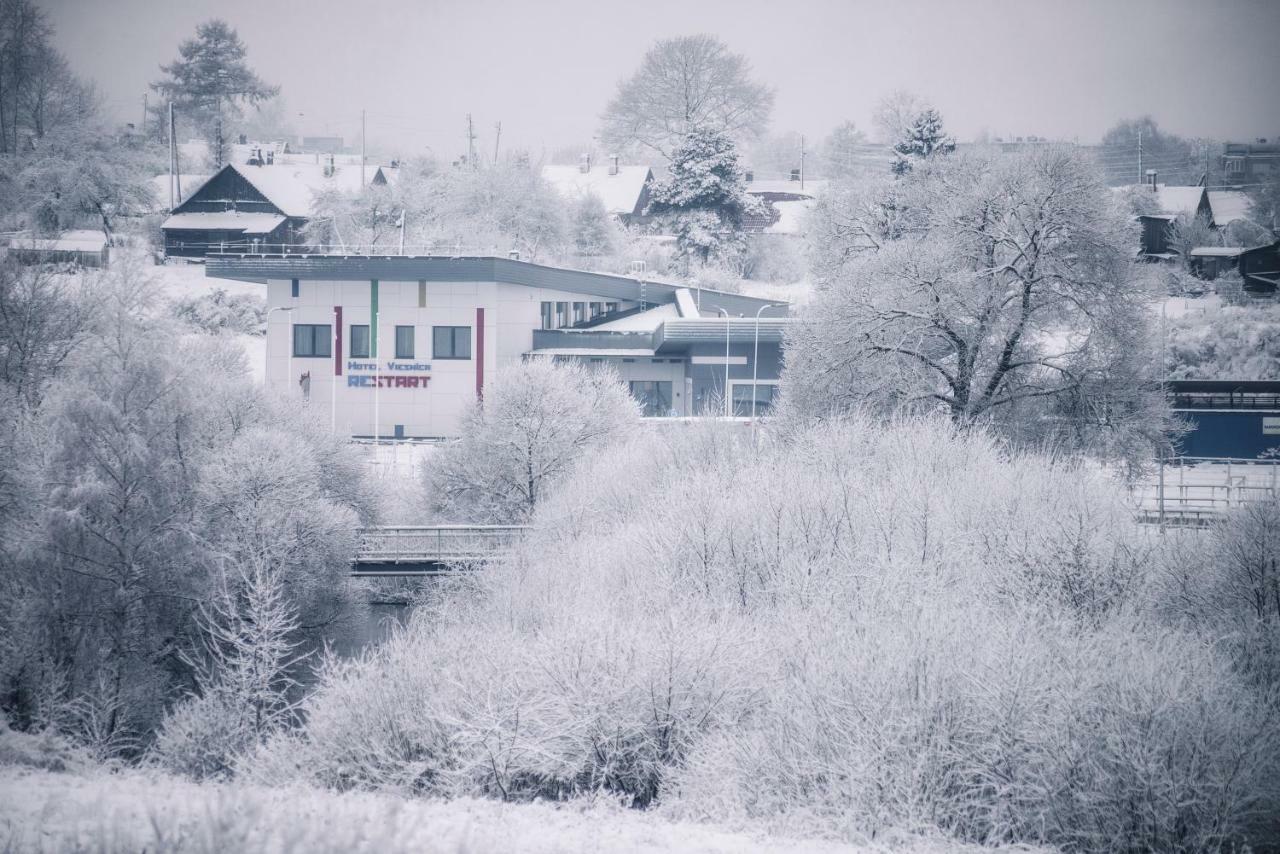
[[436, 351], [358, 352], [308, 340], [412, 348]]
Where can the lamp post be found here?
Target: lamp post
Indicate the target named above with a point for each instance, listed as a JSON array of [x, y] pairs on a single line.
[[755, 360], [728, 402], [289, 349]]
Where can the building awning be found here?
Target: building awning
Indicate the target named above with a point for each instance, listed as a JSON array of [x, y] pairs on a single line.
[[248, 223]]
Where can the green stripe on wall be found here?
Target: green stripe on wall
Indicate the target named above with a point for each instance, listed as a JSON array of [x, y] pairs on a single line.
[[373, 319]]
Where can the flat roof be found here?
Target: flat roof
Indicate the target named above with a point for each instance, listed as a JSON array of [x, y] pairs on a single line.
[[261, 267]]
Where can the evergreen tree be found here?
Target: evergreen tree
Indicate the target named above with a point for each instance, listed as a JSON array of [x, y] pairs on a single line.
[[924, 138], [211, 81], [704, 198]]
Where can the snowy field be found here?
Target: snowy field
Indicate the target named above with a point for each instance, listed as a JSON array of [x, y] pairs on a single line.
[[43, 811]]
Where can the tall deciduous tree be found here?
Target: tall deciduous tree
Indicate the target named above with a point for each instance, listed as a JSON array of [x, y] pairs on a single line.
[[38, 92], [1132, 141], [211, 79], [1012, 284], [685, 83], [704, 197]]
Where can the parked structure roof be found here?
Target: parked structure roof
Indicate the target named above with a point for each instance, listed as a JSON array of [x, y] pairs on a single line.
[[1229, 205], [248, 223]]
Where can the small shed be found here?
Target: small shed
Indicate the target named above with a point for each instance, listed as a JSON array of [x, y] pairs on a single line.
[[1208, 262], [1260, 269], [84, 247]]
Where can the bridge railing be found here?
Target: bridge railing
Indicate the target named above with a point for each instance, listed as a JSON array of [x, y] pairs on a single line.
[[434, 543]]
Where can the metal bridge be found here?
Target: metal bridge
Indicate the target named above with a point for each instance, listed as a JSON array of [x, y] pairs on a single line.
[[1197, 492], [429, 549]]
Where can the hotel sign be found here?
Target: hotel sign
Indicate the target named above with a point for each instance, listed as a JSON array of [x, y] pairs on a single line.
[[1270, 426], [397, 374]]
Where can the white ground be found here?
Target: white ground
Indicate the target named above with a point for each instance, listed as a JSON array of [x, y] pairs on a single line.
[[178, 280], [47, 811]]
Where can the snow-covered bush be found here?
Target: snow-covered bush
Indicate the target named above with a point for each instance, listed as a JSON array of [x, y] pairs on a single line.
[[1242, 343], [832, 629], [217, 311]]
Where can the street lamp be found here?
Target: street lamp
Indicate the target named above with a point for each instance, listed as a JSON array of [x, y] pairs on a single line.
[[289, 348], [755, 360], [727, 395]]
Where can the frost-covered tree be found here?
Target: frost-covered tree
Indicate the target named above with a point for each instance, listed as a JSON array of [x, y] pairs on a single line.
[[538, 420], [685, 83], [593, 231], [922, 139], [1264, 206], [841, 151], [211, 80], [1174, 158], [704, 198], [1013, 285], [38, 92], [244, 668], [1188, 232]]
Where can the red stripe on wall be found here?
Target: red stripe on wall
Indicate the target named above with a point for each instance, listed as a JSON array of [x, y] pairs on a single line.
[[480, 353], [337, 340]]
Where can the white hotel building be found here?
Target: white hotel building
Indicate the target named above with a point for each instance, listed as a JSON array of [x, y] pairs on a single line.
[[398, 346]]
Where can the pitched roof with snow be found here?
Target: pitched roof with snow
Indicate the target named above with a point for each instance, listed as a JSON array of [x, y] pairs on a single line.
[[247, 223], [160, 188], [293, 187], [786, 187], [1179, 200], [622, 193], [1229, 205]]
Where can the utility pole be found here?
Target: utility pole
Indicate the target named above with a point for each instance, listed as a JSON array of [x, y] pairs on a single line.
[[471, 143], [1139, 155], [801, 161], [218, 137], [173, 158], [497, 138], [362, 150]]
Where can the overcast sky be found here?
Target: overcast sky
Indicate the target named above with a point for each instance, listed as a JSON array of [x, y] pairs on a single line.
[[546, 68]]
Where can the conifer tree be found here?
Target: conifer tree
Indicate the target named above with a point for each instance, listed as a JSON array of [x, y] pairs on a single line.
[[924, 138]]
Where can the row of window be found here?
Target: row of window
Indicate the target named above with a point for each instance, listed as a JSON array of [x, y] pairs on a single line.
[[557, 315], [654, 397], [314, 340]]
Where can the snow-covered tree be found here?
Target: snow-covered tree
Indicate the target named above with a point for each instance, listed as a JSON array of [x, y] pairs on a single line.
[[924, 138], [685, 83], [211, 80], [841, 151], [538, 420], [1013, 285], [593, 231], [704, 196]]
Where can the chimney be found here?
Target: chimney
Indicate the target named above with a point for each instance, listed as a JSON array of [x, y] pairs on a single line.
[[271, 157], [795, 174], [328, 166], [613, 164], [514, 254], [1151, 179], [584, 166]]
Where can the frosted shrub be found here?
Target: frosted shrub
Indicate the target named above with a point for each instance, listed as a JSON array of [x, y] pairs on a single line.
[[860, 630]]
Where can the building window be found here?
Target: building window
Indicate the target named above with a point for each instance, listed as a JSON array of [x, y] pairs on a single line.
[[743, 394], [311, 340], [654, 397], [1235, 165], [451, 342], [579, 313], [610, 307], [359, 341], [548, 316], [562, 315], [404, 342], [293, 288]]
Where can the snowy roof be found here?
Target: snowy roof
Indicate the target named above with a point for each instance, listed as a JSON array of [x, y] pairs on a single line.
[[292, 187], [76, 240], [160, 187], [1216, 251], [645, 321], [1179, 200], [790, 217], [786, 186], [1228, 205], [249, 223], [621, 193]]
